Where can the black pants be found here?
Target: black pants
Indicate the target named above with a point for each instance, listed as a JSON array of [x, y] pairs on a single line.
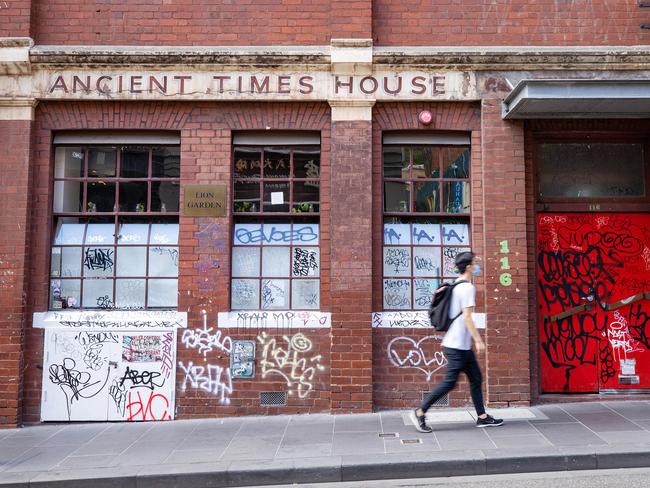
[[459, 360]]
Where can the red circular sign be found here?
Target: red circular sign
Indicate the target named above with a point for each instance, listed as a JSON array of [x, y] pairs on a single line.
[[425, 117]]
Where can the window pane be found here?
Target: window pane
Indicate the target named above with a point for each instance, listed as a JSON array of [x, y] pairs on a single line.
[[166, 162], [131, 261], [69, 162], [165, 196], [246, 197], [455, 162], [245, 294], [275, 261], [276, 196], [306, 164], [397, 261], [133, 196], [276, 163], [397, 294], [422, 293], [101, 197], [99, 261], [305, 234], [65, 294], [396, 162], [129, 294], [100, 234], [164, 233], [69, 233], [426, 234], [134, 162], [397, 234], [426, 261], [305, 197], [455, 234], [305, 295], [246, 261], [456, 194], [248, 234], [68, 196], [427, 196], [163, 293], [247, 162], [448, 256], [424, 163], [101, 161], [396, 197], [133, 234], [275, 294], [98, 294], [591, 170], [163, 261], [66, 262], [305, 261]]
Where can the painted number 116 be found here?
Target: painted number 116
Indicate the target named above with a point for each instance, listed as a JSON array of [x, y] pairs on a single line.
[[506, 278]]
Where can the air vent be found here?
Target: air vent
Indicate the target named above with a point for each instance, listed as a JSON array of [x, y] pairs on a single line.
[[441, 402], [273, 398]]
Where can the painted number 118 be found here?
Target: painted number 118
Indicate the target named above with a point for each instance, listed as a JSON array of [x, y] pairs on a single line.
[[506, 278]]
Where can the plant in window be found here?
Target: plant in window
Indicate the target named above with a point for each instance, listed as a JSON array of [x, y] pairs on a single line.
[[139, 207], [91, 207]]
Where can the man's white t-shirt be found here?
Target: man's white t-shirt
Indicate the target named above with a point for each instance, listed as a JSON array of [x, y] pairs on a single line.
[[458, 337]]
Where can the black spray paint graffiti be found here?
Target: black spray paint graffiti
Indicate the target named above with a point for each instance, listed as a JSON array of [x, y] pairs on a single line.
[[304, 262], [146, 379], [397, 258], [98, 259], [74, 384]]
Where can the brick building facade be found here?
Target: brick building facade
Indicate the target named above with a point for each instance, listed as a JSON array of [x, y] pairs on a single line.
[[231, 208]]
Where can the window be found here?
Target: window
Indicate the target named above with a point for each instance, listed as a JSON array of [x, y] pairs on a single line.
[[115, 243], [426, 218], [275, 252]]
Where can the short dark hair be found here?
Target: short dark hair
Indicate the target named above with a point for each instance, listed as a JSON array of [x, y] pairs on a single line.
[[463, 260]]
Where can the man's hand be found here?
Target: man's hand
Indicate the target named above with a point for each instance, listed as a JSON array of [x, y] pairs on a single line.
[[480, 346]]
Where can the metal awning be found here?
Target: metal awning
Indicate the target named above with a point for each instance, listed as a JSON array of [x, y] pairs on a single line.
[[578, 99]]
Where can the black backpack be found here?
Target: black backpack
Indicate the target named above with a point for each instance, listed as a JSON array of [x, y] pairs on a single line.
[[439, 308]]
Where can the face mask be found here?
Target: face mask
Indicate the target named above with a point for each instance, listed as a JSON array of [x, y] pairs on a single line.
[[476, 270]]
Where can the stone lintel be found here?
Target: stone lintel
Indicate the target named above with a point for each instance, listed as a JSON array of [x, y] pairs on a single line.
[[348, 110]]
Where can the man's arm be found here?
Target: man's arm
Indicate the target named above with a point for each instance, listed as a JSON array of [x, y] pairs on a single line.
[[469, 323]]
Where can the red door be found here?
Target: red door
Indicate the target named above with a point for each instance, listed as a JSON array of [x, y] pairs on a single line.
[[593, 290]]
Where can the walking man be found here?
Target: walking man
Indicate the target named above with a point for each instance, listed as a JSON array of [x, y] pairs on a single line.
[[457, 345]]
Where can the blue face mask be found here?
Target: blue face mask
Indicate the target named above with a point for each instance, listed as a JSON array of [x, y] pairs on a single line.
[[476, 270]]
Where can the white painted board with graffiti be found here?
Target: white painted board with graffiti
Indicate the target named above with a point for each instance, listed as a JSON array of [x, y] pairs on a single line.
[[103, 375]]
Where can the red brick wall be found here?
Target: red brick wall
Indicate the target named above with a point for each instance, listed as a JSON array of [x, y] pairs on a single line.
[[200, 22], [395, 387], [509, 22], [351, 19], [15, 18], [14, 261]]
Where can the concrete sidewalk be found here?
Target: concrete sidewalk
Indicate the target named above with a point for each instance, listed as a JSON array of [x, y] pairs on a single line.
[[317, 448]]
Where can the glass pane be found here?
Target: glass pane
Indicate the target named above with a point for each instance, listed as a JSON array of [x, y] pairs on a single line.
[[164, 234], [456, 195], [98, 294], [306, 164], [396, 197], [246, 261], [422, 293], [275, 294], [100, 234], [305, 234], [424, 163], [165, 196], [166, 162], [591, 170], [69, 162], [133, 234], [448, 256], [245, 294], [134, 162], [248, 234], [426, 261], [247, 197], [455, 162], [397, 294], [247, 162], [133, 196], [131, 261], [129, 294], [163, 261], [455, 234], [101, 161], [276, 163], [276, 197], [68, 196], [426, 234], [305, 197], [427, 196], [66, 262], [101, 197], [305, 261], [65, 294], [69, 233], [305, 294], [397, 261], [99, 261], [275, 261], [396, 162], [397, 234], [163, 293]]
